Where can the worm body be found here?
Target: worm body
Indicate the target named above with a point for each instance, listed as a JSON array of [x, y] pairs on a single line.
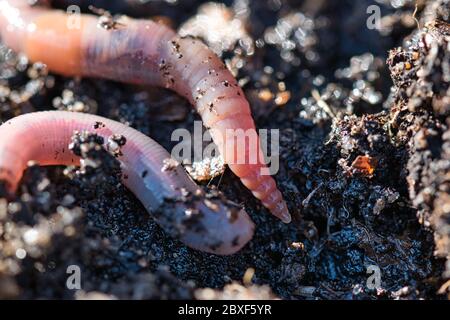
[[144, 52], [209, 224]]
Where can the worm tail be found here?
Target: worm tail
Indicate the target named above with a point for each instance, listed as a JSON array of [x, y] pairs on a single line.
[[241, 150], [210, 87]]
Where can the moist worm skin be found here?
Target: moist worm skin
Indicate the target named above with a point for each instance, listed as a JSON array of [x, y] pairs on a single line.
[[209, 224], [144, 52]]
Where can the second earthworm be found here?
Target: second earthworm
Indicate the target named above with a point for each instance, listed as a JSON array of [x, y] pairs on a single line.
[[208, 223]]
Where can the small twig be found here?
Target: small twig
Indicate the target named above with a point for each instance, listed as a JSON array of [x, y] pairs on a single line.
[[322, 104], [305, 202], [414, 15], [220, 179], [106, 19]]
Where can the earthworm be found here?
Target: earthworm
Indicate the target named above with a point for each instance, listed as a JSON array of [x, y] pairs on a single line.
[[145, 52], [204, 222]]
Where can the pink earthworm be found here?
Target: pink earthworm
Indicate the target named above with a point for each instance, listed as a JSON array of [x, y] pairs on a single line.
[[145, 52], [204, 222]]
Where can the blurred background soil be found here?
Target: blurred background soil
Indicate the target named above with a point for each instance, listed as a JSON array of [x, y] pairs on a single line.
[[364, 161]]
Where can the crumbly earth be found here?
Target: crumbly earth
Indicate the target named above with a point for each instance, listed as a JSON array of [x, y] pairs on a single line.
[[364, 163]]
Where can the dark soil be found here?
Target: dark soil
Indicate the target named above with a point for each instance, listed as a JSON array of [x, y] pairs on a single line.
[[365, 157]]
